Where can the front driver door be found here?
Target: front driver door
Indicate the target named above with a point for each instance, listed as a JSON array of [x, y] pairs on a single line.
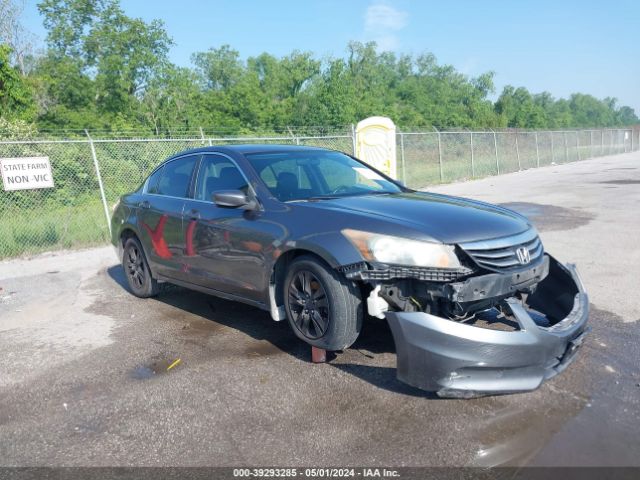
[[226, 248]]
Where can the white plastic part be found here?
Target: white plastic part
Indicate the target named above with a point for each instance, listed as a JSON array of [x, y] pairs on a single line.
[[277, 311], [376, 305]]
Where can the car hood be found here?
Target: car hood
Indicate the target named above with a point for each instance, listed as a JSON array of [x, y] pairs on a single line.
[[446, 219]]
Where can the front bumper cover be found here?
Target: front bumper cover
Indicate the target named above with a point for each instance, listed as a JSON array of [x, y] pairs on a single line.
[[458, 360]]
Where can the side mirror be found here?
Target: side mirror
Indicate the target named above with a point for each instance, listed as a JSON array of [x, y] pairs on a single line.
[[233, 199]]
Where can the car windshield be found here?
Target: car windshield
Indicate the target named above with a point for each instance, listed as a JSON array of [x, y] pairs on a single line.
[[317, 174]]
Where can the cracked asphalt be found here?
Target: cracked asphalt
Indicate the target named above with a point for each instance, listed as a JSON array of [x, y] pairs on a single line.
[[85, 378]]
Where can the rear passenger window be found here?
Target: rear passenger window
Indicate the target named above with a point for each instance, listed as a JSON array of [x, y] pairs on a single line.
[[218, 173], [152, 182], [176, 177]]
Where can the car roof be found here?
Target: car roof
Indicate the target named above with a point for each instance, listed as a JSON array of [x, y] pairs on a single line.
[[250, 148]]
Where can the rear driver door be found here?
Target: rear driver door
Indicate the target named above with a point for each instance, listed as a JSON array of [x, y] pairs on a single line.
[[160, 215]]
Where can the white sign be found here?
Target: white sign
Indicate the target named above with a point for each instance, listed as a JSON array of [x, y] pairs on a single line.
[[26, 173], [376, 144]]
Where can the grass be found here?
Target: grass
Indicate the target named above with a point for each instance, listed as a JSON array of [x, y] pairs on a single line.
[[36, 224], [422, 162], [36, 230]]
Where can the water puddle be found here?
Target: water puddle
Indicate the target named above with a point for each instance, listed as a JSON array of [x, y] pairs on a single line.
[[155, 368], [587, 416], [551, 217], [622, 182]]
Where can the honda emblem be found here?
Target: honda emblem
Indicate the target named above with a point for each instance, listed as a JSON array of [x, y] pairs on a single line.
[[524, 257]]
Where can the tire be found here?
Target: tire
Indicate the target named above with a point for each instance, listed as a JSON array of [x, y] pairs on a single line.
[[325, 310], [137, 271]]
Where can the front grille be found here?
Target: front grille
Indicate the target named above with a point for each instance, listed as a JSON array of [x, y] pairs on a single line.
[[419, 273], [501, 254], [360, 271]]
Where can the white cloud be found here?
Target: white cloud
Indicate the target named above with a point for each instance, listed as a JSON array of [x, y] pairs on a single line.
[[381, 16], [382, 22]]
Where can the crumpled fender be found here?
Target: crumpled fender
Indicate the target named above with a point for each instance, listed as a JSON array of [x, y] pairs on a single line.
[[459, 360]]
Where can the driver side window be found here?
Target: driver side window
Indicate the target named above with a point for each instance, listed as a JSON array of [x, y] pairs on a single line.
[[218, 173], [270, 174]]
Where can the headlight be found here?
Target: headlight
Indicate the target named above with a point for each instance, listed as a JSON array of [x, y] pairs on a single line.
[[402, 251]]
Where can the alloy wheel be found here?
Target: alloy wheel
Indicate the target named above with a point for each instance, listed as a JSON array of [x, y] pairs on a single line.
[[308, 304], [135, 267]]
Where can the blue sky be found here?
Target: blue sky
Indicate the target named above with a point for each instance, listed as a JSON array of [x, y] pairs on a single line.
[[560, 46]]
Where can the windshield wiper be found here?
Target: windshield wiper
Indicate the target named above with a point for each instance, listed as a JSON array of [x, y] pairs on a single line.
[[333, 197], [317, 197], [324, 197], [378, 192]]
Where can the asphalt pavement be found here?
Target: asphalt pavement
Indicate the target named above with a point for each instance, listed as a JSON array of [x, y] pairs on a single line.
[[92, 376]]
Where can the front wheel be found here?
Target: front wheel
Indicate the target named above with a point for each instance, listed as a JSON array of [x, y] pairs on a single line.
[[323, 308]]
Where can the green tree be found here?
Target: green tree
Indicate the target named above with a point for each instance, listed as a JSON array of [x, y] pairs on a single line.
[[16, 97], [518, 108], [218, 68], [627, 116], [120, 55], [103, 69], [173, 100], [588, 111]]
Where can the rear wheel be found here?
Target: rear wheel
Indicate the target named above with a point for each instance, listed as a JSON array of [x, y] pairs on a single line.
[[323, 308], [137, 270]]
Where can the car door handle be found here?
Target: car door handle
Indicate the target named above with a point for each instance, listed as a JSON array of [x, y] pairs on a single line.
[[194, 215], [144, 204]]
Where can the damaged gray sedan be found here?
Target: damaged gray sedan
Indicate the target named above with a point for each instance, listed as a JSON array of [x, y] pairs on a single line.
[[475, 304]]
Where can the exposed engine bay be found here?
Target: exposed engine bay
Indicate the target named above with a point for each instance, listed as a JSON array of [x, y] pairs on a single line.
[[483, 332]]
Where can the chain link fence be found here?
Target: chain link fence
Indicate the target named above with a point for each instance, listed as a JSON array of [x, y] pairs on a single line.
[[426, 158], [90, 174]]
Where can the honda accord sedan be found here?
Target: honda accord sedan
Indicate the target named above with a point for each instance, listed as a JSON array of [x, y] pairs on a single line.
[[322, 240]]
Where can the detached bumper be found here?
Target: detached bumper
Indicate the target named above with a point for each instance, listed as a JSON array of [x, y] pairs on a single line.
[[458, 360]]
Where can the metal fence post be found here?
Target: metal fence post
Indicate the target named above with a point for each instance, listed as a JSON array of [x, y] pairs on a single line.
[[601, 142], [439, 153], [620, 136], [295, 138], [611, 147], [620, 143], [578, 144], [473, 167], [495, 145], [353, 138], [537, 152], [591, 142], [566, 148], [553, 154], [203, 138], [518, 151], [404, 171], [97, 168]]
